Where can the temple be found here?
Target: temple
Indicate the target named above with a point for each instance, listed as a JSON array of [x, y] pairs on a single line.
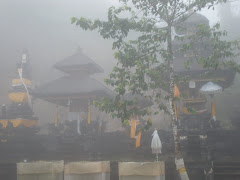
[[208, 149], [195, 76], [191, 110], [19, 114], [76, 91]]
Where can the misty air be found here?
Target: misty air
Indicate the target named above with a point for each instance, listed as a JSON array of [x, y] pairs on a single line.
[[120, 90]]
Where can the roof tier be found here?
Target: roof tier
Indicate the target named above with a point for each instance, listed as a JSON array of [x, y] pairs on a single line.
[[60, 90], [78, 62]]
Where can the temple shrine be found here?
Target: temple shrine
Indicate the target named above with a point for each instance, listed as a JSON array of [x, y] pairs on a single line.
[[19, 114], [192, 111], [195, 76], [75, 91]]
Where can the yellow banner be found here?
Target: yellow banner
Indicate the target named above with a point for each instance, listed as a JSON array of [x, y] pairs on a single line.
[[138, 140], [213, 108], [18, 97], [182, 170], [18, 81], [18, 122]]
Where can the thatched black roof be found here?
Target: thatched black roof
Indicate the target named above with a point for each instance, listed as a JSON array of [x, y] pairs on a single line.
[[78, 62], [70, 86]]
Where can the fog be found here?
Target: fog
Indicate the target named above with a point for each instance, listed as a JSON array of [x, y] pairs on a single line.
[[44, 28]]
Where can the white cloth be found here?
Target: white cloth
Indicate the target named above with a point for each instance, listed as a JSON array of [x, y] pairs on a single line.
[[156, 144], [28, 96], [75, 116]]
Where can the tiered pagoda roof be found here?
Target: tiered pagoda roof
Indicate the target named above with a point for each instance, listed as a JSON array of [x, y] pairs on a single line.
[[78, 62], [77, 84]]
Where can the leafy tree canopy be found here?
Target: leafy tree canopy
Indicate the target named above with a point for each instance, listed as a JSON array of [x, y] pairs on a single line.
[[144, 63]]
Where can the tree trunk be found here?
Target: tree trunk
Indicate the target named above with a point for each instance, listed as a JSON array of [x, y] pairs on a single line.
[[178, 155]]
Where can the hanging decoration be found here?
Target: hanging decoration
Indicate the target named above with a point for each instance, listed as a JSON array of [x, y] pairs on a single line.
[[156, 144]]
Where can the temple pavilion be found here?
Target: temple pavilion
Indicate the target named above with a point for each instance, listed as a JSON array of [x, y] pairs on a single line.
[[76, 90]]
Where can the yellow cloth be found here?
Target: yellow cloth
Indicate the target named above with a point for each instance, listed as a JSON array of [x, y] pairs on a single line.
[[182, 170], [138, 140], [133, 129], [25, 122], [17, 122], [176, 91], [18, 81], [4, 123], [133, 123], [176, 94], [18, 97], [213, 109]]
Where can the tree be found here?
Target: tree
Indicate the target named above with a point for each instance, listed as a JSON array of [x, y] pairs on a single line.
[[145, 63]]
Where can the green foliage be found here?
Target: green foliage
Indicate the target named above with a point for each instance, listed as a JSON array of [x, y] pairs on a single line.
[[223, 53], [145, 64]]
